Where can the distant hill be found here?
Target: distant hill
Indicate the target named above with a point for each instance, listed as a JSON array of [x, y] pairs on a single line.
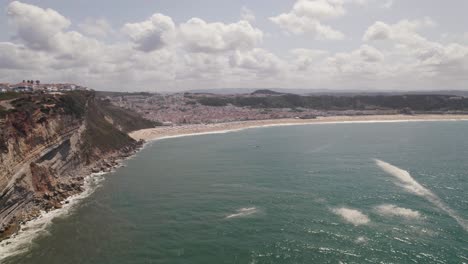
[[416, 102], [338, 92], [266, 92]]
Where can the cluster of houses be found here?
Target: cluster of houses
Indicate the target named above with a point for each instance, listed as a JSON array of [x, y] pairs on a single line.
[[36, 86]]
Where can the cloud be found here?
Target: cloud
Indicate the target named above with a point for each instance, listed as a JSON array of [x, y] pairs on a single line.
[[17, 57], [352, 216], [319, 9], [378, 31], [196, 35], [35, 26], [424, 58], [152, 34], [301, 25], [159, 53], [404, 30], [388, 4], [307, 16], [393, 210], [258, 61], [99, 28], [247, 14], [304, 59]]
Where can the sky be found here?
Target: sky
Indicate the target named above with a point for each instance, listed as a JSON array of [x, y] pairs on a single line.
[[176, 45]]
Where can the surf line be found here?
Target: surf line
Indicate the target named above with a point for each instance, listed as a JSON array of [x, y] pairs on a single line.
[[406, 181]]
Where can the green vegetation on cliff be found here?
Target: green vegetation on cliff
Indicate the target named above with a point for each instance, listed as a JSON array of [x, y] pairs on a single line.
[[126, 120], [106, 125], [48, 142]]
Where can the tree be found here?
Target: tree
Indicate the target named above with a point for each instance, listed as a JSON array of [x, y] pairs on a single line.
[[38, 82]]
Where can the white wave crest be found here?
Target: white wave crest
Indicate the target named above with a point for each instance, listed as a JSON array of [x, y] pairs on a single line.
[[352, 216], [361, 240], [243, 212], [393, 210], [411, 185], [22, 241]]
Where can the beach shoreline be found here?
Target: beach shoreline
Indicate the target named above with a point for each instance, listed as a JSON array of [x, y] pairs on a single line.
[[166, 132]]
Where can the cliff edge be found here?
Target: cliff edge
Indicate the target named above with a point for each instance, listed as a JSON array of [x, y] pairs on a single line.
[[49, 143]]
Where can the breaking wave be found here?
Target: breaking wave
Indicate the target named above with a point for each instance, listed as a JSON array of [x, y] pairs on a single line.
[[411, 185], [352, 216], [393, 210], [22, 241], [243, 212]]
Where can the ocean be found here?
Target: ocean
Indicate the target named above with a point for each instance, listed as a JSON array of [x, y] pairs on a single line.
[[324, 193]]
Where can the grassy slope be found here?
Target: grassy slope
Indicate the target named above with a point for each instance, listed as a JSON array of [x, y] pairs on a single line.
[[102, 136], [9, 96], [126, 119]]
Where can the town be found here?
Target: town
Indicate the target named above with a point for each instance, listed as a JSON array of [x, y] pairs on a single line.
[[33, 86]]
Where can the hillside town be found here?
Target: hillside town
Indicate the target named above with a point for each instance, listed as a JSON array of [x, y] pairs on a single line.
[[186, 108], [31, 86]]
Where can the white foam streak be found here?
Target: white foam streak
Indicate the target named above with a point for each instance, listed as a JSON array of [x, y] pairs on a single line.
[[198, 134], [353, 216], [393, 210], [243, 212], [22, 241], [411, 185]]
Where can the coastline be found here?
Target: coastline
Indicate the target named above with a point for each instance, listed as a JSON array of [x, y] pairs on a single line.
[[30, 230], [93, 176], [160, 133], [20, 242]]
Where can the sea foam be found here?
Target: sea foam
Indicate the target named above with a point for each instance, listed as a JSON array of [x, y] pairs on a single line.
[[393, 210], [243, 212], [352, 216], [22, 241], [411, 185]]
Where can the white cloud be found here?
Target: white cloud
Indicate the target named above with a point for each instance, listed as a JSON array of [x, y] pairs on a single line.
[[378, 31], [152, 34], [293, 23], [99, 28], [303, 59], [418, 56], [388, 4], [259, 61], [319, 9], [352, 216], [17, 57], [307, 16], [404, 30], [247, 14], [36, 26], [197, 35], [393, 210], [160, 53]]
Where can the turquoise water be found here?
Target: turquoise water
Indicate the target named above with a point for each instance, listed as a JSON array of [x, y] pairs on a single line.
[[300, 194]]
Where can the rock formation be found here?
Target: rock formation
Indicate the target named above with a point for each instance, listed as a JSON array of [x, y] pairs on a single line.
[[49, 143]]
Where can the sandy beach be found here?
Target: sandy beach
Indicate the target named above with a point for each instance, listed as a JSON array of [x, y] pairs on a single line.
[[182, 130]]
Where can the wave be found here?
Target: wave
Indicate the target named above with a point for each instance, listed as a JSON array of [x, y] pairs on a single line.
[[198, 134], [22, 241], [411, 185], [243, 212], [393, 210], [352, 216]]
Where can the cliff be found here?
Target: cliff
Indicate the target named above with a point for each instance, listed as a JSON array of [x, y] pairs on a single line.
[[48, 143]]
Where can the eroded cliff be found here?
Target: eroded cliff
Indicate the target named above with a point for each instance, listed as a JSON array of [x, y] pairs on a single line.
[[49, 143]]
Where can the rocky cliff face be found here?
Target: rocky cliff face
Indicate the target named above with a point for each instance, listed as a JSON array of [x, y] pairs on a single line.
[[49, 143]]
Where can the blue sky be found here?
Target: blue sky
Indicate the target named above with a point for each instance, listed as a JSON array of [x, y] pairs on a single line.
[[181, 44]]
